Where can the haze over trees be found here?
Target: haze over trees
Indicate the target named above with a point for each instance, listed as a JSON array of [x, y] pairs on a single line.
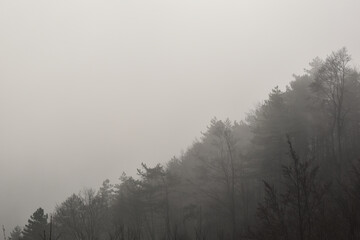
[[290, 170]]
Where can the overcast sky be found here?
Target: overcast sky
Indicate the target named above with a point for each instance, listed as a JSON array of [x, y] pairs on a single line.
[[89, 89]]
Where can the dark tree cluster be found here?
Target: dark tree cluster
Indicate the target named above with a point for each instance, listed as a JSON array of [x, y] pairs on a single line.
[[289, 171]]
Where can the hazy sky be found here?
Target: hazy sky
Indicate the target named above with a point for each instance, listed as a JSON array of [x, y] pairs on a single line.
[[89, 89]]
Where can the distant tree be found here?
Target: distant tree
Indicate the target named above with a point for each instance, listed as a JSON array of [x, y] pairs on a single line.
[[68, 218], [82, 216], [16, 233], [111, 228], [129, 208], [156, 184], [156, 192], [330, 84], [269, 125], [218, 176], [106, 193], [93, 214], [36, 228]]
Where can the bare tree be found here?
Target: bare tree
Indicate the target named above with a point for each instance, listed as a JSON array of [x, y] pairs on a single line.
[[330, 82], [295, 213]]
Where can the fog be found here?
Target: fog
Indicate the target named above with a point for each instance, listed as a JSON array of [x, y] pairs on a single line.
[[89, 89]]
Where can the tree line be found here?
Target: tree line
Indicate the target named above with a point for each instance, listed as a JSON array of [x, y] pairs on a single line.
[[290, 170]]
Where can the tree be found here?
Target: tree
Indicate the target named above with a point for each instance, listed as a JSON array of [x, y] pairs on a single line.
[[269, 125], [82, 216], [348, 202], [16, 233], [330, 84], [129, 207], [296, 213], [68, 218], [218, 174], [36, 227], [156, 185]]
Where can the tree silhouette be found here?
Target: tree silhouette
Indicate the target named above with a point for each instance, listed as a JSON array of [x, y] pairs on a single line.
[[36, 227]]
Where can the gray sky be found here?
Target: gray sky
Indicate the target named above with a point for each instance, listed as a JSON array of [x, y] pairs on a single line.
[[89, 89]]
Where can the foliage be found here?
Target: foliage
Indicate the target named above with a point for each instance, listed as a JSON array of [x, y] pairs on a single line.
[[297, 211], [36, 227], [16, 233]]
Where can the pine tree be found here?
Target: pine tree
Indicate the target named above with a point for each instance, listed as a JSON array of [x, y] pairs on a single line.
[[16, 233], [36, 227]]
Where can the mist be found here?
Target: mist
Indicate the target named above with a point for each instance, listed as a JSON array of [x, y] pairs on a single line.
[[91, 89]]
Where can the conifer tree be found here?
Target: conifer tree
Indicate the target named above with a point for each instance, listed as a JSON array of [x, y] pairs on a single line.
[[36, 227], [16, 234]]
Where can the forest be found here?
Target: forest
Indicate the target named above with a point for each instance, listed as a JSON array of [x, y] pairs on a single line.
[[290, 171]]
